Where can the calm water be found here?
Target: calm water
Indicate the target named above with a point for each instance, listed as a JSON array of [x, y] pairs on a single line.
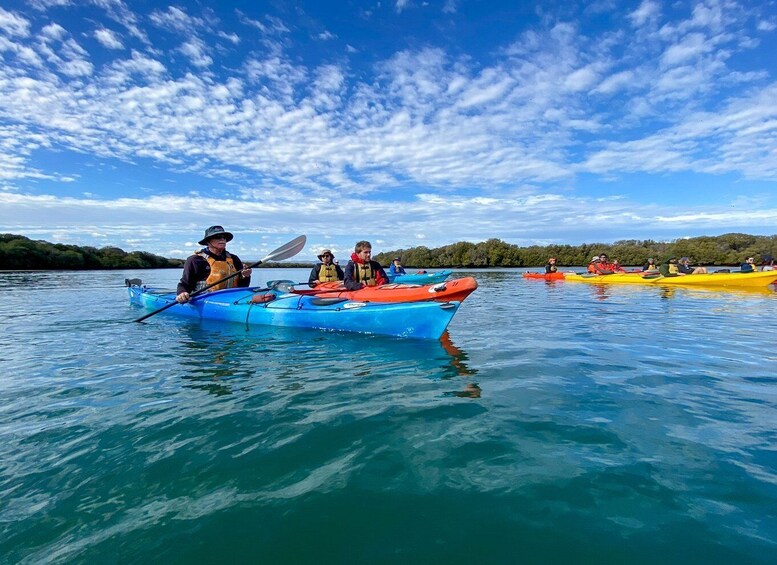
[[557, 422]]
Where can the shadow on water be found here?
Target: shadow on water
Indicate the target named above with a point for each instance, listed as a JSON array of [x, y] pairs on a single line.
[[220, 357]]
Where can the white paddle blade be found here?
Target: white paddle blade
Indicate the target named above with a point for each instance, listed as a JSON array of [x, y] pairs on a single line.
[[287, 250]]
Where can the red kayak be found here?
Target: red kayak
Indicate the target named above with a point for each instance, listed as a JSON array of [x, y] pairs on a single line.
[[456, 289], [557, 276]]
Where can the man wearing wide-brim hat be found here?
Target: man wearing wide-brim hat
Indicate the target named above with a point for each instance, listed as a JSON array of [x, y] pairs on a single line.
[[326, 270], [212, 264]]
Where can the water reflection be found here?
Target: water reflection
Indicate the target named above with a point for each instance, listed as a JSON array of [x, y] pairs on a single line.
[[667, 292], [601, 291], [218, 357]]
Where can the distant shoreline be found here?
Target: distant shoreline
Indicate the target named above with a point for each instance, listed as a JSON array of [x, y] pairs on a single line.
[[19, 253]]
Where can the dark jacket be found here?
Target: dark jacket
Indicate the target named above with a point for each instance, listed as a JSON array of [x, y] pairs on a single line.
[[196, 269], [349, 278]]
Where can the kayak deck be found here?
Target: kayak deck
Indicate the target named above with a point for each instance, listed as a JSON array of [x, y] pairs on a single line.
[[420, 277], [455, 289]]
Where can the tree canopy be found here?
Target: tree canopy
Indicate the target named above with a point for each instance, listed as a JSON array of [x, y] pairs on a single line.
[[727, 249], [20, 253]]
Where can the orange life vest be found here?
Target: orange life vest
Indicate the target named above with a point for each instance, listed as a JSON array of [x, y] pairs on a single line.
[[218, 271]]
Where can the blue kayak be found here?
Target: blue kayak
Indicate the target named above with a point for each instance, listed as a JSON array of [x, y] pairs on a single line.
[[419, 278], [420, 320]]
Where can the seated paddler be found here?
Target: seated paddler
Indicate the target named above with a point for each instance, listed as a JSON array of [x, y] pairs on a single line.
[[212, 264], [326, 270], [361, 270]]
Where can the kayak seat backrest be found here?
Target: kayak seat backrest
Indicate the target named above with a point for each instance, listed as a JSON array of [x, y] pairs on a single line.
[[133, 282]]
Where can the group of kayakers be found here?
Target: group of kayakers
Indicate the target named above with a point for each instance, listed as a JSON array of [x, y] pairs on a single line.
[[601, 265], [214, 264]]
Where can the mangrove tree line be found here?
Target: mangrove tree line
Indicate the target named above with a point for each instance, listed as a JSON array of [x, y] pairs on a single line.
[[727, 249]]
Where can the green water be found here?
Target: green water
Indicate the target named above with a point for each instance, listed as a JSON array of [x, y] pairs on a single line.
[[555, 423]]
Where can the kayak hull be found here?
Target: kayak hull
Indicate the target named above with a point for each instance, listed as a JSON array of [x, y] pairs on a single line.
[[557, 276], [419, 320], [452, 290], [758, 279], [419, 278]]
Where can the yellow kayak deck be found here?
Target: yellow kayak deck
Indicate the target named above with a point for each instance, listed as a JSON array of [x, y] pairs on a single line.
[[758, 279]]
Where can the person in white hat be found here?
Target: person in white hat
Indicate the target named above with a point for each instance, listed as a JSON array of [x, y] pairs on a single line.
[[212, 264], [326, 270]]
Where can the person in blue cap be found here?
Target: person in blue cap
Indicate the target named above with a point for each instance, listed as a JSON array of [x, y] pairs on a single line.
[[748, 266], [396, 267], [212, 264], [684, 268]]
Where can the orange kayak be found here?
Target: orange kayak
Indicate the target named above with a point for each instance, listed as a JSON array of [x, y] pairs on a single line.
[[557, 276], [456, 289]]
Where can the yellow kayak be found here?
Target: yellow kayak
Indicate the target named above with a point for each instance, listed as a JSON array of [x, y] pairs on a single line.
[[735, 279]]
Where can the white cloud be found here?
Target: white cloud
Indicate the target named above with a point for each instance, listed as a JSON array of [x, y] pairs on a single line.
[[692, 46], [646, 11], [615, 82], [231, 37], [176, 19], [53, 31], [764, 25], [400, 5], [13, 25], [581, 79], [46, 4], [195, 49], [108, 38]]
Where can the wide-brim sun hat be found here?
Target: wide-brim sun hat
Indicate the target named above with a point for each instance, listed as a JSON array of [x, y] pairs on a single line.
[[595, 258], [324, 252], [214, 231]]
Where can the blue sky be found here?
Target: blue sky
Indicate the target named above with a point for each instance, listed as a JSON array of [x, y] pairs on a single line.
[[405, 122]]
